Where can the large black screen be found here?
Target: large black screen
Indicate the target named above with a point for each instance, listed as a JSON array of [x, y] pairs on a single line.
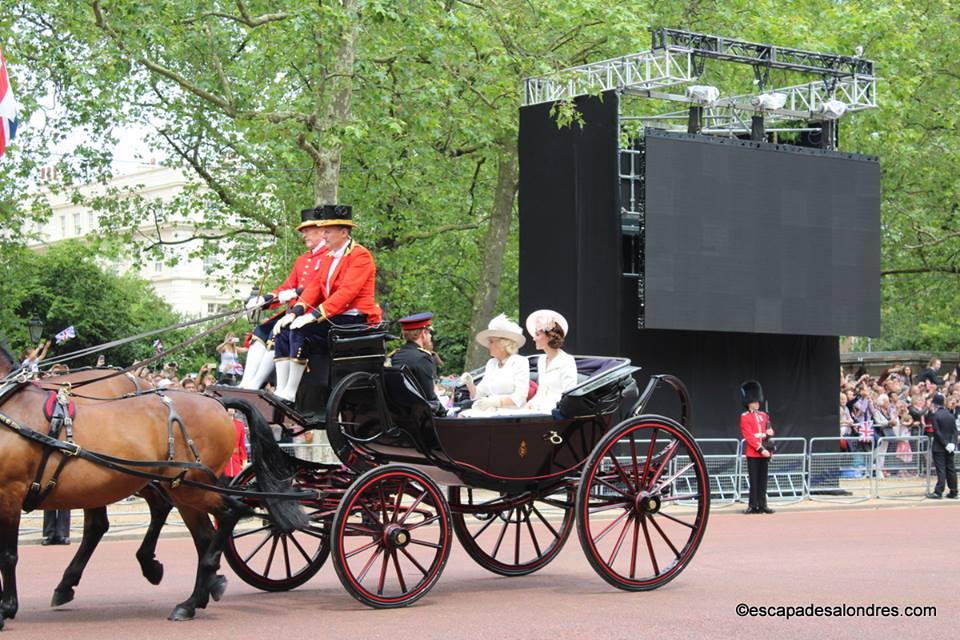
[[760, 238]]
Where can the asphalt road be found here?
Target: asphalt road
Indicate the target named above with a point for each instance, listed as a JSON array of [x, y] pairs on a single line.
[[894, 556]]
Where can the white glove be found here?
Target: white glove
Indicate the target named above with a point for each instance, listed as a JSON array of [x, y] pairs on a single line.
[[466, 378], [282, 322], [286, 295], [951, 447], [487, 402], [303, 321], [253, 303]]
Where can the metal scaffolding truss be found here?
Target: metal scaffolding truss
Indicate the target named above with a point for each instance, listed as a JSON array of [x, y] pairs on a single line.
[[804, 102], [764, 55], [638, 71]]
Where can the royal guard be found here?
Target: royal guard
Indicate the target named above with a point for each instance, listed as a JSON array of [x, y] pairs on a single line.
[[417, 353], [260, 356], [342, 293], [757, 443]]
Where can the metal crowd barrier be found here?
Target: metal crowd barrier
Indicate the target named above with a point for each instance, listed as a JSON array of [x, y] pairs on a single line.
[[786, 481], [720, 456], [901, 468], [839, 470]]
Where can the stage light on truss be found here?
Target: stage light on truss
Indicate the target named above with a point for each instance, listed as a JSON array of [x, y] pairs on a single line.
[[774, 100], [703, 93], [832, 109]]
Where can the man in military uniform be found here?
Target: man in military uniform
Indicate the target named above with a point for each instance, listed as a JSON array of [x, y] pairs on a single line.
[[757, 433], [259, 364], [417, 354], [341, 293]]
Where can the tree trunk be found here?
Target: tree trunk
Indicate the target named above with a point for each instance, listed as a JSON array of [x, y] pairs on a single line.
[[339, 93], [494, 244]]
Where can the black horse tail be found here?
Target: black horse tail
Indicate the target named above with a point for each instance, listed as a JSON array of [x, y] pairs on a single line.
[[273, 468]]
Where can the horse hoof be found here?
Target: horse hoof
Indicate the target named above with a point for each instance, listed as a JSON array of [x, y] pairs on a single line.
[[61, 597], [218, 585], [181, 613], [153, 572]]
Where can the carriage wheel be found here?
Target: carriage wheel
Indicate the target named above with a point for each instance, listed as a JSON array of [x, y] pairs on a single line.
[[391, 536], [264, 557], [643, 503], [517, 540]]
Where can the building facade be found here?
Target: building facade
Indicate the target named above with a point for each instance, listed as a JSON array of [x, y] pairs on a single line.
[[192, 286]]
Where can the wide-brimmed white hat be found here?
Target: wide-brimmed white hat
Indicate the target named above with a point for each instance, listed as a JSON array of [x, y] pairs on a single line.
[[546, 319], [502, 327]]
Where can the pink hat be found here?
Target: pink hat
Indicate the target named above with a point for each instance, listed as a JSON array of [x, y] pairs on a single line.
[[546, 319]]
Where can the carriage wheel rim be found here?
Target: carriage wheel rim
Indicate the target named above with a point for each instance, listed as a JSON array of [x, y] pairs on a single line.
[[640, 517], [385, 547]]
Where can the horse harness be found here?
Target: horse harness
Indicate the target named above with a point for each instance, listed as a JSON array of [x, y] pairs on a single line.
[[60, 412]]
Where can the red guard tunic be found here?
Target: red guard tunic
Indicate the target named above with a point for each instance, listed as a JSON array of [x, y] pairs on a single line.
[[305, 267], [352, 286], [753, 427]]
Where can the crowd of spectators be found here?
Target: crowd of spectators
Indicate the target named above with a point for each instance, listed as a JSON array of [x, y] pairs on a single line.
[[895, 404]]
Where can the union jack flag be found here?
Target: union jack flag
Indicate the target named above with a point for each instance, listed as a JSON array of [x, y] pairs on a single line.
[[65, 335], [8, 107]]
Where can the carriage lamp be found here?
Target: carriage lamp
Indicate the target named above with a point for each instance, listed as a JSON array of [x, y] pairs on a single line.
[[35, 328]]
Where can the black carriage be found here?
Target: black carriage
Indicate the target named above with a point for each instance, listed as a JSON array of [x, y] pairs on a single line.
[[635, 484]]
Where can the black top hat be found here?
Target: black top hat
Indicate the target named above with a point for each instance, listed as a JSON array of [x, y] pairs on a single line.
[[751, 391], [327, 215]]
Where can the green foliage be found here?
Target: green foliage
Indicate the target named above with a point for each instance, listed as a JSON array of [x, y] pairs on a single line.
[[242, 95]]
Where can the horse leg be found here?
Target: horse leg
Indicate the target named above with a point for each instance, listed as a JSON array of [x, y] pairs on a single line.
[[95, 525], [209, 544], [146, 555], [9, 530]]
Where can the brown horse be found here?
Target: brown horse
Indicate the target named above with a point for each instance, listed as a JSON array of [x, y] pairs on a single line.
[[135, 428], [106, 384]]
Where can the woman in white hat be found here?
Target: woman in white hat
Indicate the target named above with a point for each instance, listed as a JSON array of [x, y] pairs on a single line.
[[556, 369], [506, 378]]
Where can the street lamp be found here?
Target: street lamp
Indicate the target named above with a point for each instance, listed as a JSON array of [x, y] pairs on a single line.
[[35, 328]]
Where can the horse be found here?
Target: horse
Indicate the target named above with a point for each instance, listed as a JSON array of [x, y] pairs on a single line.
[[108, 435], [106, 384]]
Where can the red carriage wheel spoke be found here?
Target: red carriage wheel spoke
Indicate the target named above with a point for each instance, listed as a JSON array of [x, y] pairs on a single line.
[[609, 505], [610, 527], [396, 564], [664, 483], [536, 511], [369, 545], [677, 520], [664, 536], [286, 556], [533, 538], [650, 449], [633, 554], [633, 454], [250, 532], [430, 520], [414, 560], [396, 503], [620, 539], [503, 531], [369, 565], [668, 455], [516, 544], [621, 473], [265, 540], [383, 571], [383, 507], [412, 508], [424, 543], [484, 527], [614, 488], [273, 551], [653, 554]]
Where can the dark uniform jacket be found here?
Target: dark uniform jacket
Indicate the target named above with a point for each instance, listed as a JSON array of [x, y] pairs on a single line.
[[944, 429], [421, 365]]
